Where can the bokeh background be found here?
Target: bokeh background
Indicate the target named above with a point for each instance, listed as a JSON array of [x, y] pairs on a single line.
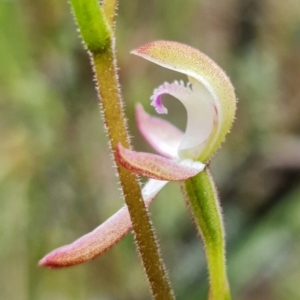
[[56, 176]]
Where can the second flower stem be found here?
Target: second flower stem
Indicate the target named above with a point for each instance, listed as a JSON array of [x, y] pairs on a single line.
[[202, 198]]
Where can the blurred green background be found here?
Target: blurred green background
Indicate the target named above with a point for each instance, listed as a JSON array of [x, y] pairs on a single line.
[[56, 176]]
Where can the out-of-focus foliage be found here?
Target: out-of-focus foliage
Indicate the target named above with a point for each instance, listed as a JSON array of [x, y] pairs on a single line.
[[57, 180]]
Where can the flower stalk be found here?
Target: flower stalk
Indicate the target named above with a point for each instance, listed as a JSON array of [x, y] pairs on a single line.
[[201, 196], [96, 32]]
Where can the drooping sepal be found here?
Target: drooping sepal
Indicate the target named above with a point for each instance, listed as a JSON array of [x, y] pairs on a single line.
[[102, 238], [92, 244]]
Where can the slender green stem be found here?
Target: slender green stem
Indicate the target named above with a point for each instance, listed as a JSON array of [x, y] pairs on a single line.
[[92, 24], [202, 198], [101, 49]]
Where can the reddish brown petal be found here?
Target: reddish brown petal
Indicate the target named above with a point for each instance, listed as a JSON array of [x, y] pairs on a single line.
[[102, 238], [155, 166], [92, 244]]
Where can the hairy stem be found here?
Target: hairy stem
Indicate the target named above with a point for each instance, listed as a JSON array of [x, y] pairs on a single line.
[[97, 36], [202, 198], [109, 9]]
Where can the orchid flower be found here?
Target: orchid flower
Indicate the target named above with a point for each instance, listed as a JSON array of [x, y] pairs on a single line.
[[210, 103]]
